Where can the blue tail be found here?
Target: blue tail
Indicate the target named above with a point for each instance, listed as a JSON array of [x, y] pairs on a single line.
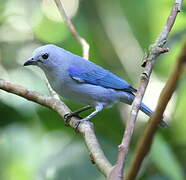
[[128, 98], [149, 112], [146, 110]]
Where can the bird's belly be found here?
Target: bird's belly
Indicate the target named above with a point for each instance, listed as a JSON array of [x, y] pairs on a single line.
[[87, 93]]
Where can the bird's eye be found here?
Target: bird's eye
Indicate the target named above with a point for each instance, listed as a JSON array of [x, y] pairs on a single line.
[[45, 56]]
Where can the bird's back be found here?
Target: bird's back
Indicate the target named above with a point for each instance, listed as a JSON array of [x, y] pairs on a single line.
[[89, 72]]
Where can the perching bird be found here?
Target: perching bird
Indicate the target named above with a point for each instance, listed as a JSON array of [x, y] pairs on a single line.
[[80, 80]]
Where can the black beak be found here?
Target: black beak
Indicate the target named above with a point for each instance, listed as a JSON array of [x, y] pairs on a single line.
[[30, 61]]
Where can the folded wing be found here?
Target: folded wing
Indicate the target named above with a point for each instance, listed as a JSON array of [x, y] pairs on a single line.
[[98, 76]]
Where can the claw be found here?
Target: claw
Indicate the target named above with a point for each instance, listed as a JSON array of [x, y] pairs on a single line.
[[78, 122], [68, 117]]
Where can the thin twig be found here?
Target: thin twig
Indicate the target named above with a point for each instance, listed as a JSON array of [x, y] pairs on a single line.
[[155, 50], [145, 142], [51, 91], [95, 150], [86, 129], [82, 41]]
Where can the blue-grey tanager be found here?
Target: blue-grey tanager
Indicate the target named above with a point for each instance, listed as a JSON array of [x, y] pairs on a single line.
[[81, 80]]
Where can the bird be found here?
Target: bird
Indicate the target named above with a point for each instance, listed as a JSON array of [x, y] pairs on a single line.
[[83, 81]]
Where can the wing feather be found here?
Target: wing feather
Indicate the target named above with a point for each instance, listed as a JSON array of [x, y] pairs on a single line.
[[100, 77]]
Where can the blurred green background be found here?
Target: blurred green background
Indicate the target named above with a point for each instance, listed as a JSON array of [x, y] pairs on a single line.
[[34, 142]]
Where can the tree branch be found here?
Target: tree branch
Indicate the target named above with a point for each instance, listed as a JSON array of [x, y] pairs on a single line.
[[145, 142], [155, 50], [82, 41], [86, 128]]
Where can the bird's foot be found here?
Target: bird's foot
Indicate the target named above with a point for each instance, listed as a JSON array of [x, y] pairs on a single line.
[[78, 122], [68, 117], [76, 113]]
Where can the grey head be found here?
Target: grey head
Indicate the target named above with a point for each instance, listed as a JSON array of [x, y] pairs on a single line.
[[47, 57]]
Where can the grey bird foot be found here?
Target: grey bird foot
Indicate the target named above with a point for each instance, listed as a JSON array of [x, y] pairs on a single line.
[[68, 117], [78, 122]]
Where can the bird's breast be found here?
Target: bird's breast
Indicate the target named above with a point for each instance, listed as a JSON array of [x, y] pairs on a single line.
[[66, 87]]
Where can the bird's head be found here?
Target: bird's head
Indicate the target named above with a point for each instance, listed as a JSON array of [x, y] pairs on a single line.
[[46, 57]]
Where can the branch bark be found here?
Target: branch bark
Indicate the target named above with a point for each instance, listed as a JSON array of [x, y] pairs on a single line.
[[82, 41], [86, 128], [145, 142], [155, 50]]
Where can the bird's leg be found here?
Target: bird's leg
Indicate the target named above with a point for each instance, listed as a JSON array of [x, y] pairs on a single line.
[[68, 116], [98, 108]]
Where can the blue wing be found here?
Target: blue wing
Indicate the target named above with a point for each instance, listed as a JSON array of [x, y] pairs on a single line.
[[96, 75]]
